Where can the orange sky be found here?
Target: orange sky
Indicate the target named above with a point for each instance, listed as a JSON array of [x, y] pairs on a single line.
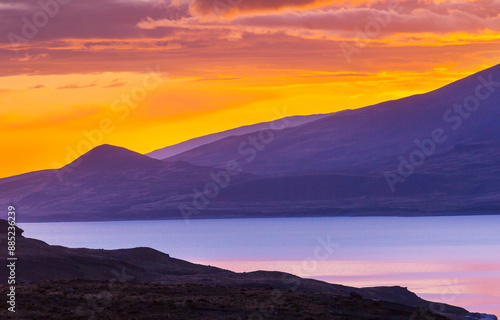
[[146, 74]]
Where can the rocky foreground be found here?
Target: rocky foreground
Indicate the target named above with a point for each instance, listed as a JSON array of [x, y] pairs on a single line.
[[81, 299], [54, 282]]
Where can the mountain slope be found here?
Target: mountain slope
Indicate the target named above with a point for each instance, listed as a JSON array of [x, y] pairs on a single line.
[[370, 139], [176, 149], [431, 153], [355, 138]]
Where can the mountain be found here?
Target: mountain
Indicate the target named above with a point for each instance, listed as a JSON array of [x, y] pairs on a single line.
[[370, 139], [428, 154], [106, 183], [176, 149], [107, 157], [437, 152], [138, 268]]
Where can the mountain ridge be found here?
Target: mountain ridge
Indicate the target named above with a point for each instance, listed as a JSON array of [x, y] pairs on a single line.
[[373, 130], [169, 151], [420, 155]]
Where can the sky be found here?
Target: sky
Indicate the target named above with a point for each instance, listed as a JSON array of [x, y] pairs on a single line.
[[145, 74]]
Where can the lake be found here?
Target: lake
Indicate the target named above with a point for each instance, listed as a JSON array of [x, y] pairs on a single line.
[[454, 260]]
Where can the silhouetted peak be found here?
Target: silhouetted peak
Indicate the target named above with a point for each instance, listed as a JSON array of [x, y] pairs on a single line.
[[109, 157]]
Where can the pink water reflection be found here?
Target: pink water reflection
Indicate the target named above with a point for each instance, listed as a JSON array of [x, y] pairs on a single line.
[[473, 286]]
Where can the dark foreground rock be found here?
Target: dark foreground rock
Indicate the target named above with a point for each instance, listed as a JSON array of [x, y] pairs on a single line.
[[80, 299]]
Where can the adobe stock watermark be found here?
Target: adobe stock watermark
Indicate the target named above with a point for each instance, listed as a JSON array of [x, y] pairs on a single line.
[[248, 148], [96, 303], [448, 296], [371, 30], [32, 25], [11, 259], [454, 116], [323, 250], [122, 107]]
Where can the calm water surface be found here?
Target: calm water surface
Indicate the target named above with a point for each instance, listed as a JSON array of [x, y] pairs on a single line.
[[455, 260]]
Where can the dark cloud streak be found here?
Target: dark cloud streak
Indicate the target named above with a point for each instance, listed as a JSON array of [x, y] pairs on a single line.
[[211, 7], [89, 19]]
